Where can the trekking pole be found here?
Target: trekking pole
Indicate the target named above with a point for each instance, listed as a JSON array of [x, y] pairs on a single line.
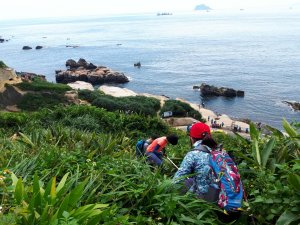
[[172, 162]]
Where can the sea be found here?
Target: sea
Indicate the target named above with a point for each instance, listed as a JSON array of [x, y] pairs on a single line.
[[258, 53]]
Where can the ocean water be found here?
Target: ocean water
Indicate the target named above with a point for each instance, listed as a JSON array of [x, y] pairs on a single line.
[[257, 53]]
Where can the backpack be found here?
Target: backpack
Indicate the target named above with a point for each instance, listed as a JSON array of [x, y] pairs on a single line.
[[228, 187], [139, 148]]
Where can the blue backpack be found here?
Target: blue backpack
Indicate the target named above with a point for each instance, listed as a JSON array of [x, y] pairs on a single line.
[[139, 148], [228, 188]]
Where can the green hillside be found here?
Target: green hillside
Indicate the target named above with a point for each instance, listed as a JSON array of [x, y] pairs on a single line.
[[76, 164]]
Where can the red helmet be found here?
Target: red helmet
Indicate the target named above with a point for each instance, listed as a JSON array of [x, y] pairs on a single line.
[[199, 130]]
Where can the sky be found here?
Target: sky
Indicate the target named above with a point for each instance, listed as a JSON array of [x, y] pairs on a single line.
[[15, 9]]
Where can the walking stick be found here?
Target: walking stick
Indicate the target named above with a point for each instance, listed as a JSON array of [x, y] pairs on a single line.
[[172, 162]]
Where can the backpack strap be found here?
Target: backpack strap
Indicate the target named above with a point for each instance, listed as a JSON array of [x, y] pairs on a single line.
[[204, 148], [201, 148]]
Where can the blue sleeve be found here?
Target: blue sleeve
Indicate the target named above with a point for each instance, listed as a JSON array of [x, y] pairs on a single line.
[[186, 167]]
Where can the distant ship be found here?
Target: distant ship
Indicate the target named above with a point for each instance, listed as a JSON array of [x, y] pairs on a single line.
[[164, 14]]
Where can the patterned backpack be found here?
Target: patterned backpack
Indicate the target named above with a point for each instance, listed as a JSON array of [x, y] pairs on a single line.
[[229, 195]]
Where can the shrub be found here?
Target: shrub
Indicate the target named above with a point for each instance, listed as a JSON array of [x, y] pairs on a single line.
[[41, 85], [179, 109], [35, 101], [9, 120], [133, 104], [88, 95]]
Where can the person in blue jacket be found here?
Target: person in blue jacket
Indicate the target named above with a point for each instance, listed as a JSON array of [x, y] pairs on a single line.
[[196, 163]]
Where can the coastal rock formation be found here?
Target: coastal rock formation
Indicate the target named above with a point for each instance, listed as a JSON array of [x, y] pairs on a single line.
[[7, 74], [117, 91], [138, 64], [210, 90], [294, 105], [81, 85], [26, 48], [26, 76], [88, 72]]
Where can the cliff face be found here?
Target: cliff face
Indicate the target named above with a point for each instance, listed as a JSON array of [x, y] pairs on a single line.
[[7, 74]]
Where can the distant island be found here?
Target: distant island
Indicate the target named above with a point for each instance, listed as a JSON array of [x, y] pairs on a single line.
[[202, 7]]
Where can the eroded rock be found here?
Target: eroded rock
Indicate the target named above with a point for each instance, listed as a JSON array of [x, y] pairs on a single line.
[[210, 90], [88, 72]]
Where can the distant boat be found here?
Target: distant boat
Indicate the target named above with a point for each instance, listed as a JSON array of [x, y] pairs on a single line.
[[164, 14]]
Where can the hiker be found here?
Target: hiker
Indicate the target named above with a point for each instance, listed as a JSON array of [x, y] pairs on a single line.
[[206, 181], [156, 150], [143, 144], [197, 162]]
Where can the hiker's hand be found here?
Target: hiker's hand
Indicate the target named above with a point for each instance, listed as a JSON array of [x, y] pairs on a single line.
[[164, 154]]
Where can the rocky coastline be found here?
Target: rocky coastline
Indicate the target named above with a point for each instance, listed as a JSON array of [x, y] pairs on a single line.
[[295, 105], [88, 72]]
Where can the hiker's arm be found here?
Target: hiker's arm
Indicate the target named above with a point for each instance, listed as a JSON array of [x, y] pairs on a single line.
[[186, 167], [155, 150]]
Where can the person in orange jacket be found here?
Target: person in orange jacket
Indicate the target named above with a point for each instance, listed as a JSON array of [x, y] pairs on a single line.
[[156, 149]]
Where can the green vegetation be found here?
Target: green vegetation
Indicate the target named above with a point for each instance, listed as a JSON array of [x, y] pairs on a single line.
[[41, 85], [35, 101], [180, 109], [41, 94], [138, 104], [2, 65], [76, 164]]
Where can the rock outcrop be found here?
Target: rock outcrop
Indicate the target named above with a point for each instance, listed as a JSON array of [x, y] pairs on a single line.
[[26, 76], [176, 122], [294, 105], [38, 47], [26, 48], [81, 85], [7, 74], [210, 90], [88, 72], [138, 64], [10, 95]]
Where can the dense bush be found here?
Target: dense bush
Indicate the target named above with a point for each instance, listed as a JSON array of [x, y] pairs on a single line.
[[133, 104], [85, 118], [35, 101], [41, 85], [180, 109]]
